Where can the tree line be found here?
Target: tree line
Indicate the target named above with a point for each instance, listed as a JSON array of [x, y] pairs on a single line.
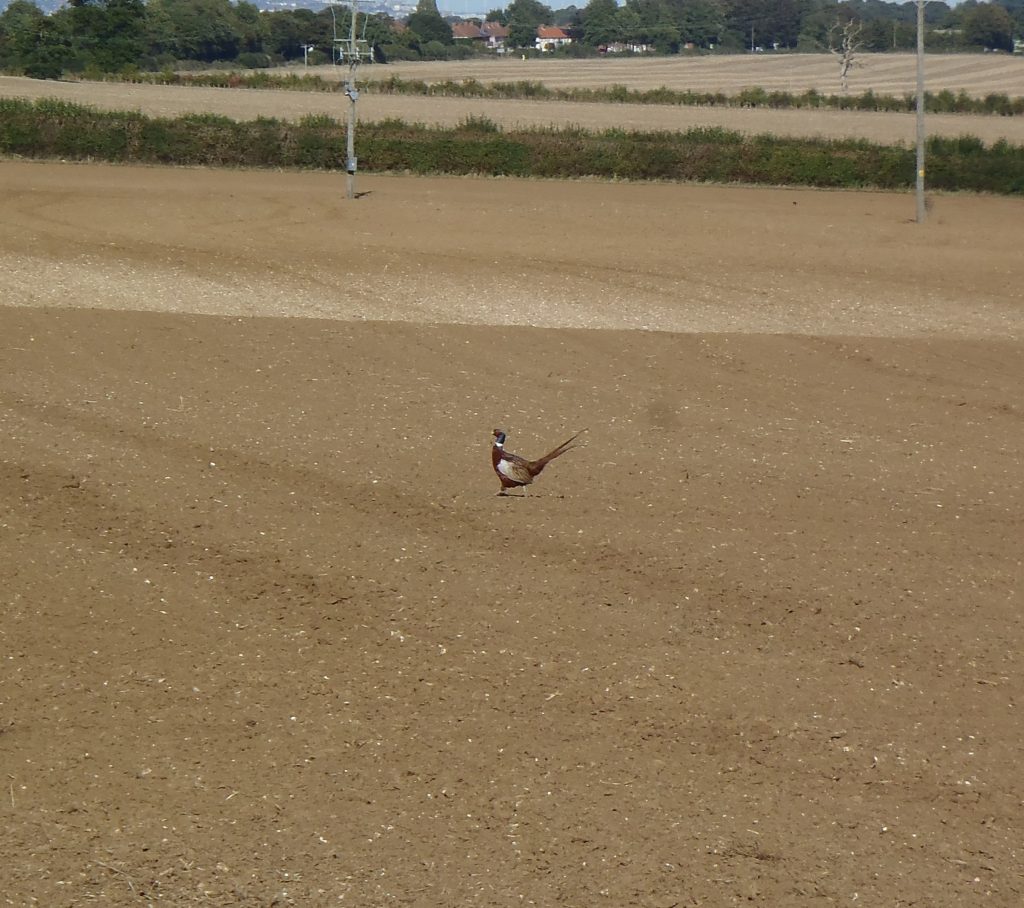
[[113, 36], [806, 26]]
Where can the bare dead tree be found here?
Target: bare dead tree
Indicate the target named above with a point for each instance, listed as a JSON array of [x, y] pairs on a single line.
[[845, 43]]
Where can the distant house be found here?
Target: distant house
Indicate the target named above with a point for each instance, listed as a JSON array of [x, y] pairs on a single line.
[[623, 47], [467, 31], [490, 34], [550, 37], [497, 35]]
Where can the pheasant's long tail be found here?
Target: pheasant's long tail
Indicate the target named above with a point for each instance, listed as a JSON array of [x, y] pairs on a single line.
[[537, 465]]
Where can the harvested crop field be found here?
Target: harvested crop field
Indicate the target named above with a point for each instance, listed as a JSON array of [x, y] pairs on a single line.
[[886, 74], [269, 637]]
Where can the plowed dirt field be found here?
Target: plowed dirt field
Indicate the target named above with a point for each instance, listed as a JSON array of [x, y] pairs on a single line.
[[269, 637]]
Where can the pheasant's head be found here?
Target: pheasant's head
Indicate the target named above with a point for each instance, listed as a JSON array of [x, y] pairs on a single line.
[[499, 437]]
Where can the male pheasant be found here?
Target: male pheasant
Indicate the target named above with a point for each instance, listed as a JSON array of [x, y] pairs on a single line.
[[515, 471]]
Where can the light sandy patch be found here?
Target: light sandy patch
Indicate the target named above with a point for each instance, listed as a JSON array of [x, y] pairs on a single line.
[[509, 252]]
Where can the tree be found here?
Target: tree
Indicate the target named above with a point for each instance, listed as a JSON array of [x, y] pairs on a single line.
[[568, 18], [378, 29], [252, 27], [51, 56], [765, 23], [204, 30], [159, 30], [428, 25], [701, 22], [36, 44], [114, 35], [523, 18], [601, 23], [21, 26], [878, 36], [628, 24], [987, 25], [1016, 10], [815, 30], [289, 30], [844, 42], [656, 24]]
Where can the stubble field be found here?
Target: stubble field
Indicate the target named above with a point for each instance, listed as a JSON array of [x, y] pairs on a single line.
[[269, 637], [885, 74]]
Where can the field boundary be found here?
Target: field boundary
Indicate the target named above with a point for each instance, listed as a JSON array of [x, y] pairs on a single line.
[[478, 146]]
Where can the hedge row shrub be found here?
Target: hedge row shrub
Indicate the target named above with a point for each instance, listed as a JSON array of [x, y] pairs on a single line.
[[48, 129]]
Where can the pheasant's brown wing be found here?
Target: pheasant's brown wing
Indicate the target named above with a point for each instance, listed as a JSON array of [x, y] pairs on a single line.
[[514, 467]]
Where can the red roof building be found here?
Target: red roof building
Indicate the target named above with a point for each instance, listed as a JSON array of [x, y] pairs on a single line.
[[550, 37], [467, 31]]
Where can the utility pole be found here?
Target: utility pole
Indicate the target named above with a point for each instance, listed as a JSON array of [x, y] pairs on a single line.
[[352, 50], [919, 188], [353, 95]]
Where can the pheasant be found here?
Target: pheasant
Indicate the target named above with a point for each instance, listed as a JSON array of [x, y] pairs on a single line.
[[515, 471]]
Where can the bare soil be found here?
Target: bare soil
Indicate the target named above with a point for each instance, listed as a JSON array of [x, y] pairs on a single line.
[[269, 637], [885, 74]]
